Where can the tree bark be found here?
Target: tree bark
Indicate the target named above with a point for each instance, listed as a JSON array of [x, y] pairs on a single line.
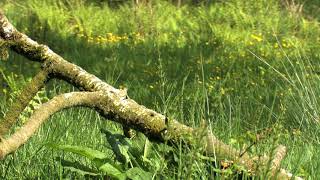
[[47, 109], [113, 104], [22, 101]]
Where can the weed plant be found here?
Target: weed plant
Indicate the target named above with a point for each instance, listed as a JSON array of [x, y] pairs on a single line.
[[243, 67]]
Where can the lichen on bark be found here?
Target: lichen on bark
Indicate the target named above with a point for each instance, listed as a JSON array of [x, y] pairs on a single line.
[[21, 102], [87, 99], [114, 104]]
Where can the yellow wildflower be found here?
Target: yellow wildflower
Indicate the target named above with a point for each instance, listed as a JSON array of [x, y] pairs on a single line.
[[257, 37], [222, 91]]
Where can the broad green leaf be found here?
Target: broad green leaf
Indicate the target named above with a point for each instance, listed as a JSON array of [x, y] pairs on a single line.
[[124, 151], [217, 170], [77, 167], [119, 146], [80, 171], [112, 171], [146, 149], [138, 174], [83, 151]]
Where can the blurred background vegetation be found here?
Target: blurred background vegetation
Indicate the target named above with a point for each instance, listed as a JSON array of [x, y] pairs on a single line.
[[242, 66]]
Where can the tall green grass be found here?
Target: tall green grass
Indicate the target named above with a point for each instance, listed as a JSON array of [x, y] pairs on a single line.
[[242, 66]]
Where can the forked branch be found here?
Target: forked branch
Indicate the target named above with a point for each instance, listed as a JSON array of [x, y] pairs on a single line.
[[88, 99], [115, 105]]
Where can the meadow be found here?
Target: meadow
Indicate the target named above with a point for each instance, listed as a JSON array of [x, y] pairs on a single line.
[[243, 67]]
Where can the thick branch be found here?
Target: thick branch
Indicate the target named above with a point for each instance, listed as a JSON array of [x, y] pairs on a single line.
[[43, 113], [22, 43], [22, 101], [116, 105]]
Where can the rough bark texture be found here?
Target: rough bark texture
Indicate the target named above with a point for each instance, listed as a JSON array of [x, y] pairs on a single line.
[[280, 153], [22, 101], [112, 103], [58, 103]]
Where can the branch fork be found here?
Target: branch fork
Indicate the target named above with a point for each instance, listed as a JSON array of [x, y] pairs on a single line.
[[113, 104]]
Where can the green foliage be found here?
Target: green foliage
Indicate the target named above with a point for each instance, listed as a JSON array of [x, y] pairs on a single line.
[[12, 85], [242, 66], [129, 163]]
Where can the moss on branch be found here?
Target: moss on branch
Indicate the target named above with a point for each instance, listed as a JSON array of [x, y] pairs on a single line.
[[22, 101], [112, 103]]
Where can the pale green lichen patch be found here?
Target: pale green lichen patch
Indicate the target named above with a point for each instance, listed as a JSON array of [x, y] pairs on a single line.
[[111, 102]]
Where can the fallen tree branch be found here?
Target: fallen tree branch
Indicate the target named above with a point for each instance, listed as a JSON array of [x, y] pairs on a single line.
[[22, 101], [47, 109], [280, 153], [115, 104]]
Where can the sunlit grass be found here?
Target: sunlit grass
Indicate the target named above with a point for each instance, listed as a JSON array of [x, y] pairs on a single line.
[[241, 67]]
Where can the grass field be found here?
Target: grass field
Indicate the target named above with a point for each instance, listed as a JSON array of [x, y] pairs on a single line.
[[242, 66]]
